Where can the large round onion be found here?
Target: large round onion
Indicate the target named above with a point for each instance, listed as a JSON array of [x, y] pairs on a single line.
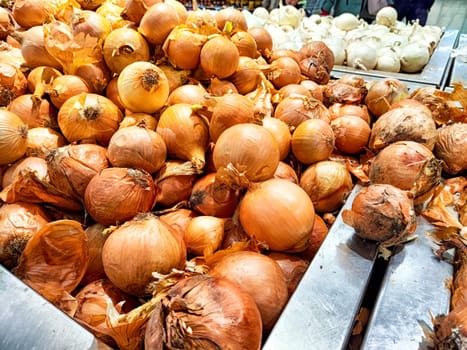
[[226, 317], [219, 57], [118, 194], [260, 276], [407, 165], [451, 146], [278, 213], [138, 248], [351, 134], [384, 92], [381, 212], [13, 137]]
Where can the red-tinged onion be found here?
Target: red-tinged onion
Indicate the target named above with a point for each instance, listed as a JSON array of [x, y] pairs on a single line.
[[327, 183], [294, 110], [293, 268], [278, 213], [42, 140], [351, 134], [384, 92], [381, 212], [227, 317], [450, 147], [116, 195], [261, 277], [281, 133], [129, 257]]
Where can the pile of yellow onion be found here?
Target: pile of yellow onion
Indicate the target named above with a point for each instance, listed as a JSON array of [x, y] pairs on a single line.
[[155, 160]]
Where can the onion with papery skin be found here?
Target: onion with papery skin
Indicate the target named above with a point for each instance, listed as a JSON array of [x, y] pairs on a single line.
[[185, 133], [317, 236], [137, 147], [450, 147], [315, 89], [13, 137], [312, 141], [143, 87], [34, 111], [407, 165], [261, 277], [40, 78], [439, 106], [278, 213], [286, 172], [244, 153], [96, 238], [351, 134], [246, 44], [232, 15], [116, 195], [294, 110], [96, 75], [66, 86], [84, 161], [90, 23], [387, 16], [18, 222], [158, 21], [175, 77], [293, 268], [13, 83], [111, 92], [316, 61], [204, 234], [342, 110], [133, 119], [247, 76], [42, 140], [139, 247], [188, 93], [264, 41], [7, 23], [218, 87], [35, 164], [327, 183], [337, 92], [183, 47], [403, 124], [29, 13], [281, 133], [284, 71], [293, 89], [219, 57], [362, 55], [178, 219], [384, 92], [381, 212], [227, 317], [89, 116]]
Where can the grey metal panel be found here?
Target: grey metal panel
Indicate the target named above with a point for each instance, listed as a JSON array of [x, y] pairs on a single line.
[[28, 321], [459, 68], [321, 312], [415, 285]]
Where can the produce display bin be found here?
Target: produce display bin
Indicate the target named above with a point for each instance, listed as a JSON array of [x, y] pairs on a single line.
[[459, 66], [435, 73]]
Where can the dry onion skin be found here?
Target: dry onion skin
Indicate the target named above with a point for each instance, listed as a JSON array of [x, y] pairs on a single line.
[[451, 146], [116, 195], [13, 137], [43, 140], [382, 213], [383, 93], [139, 247], [278, 213], [226, 317]]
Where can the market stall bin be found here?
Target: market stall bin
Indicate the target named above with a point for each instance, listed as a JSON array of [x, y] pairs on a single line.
[[459, 66]]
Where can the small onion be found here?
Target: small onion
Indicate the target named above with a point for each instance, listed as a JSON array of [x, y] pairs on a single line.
[[328, 183], [381, 212], [219, 57], [338, 92], [34, 111], [158, 21], [204, 234], [183, 47], [351, 134], [66, 86], [13, 137], [13, 83], [278, 213], [312, 141], [286, 172], [382, 93], [139, 247], [261, 277], [450, 147], [281, 133], [42, 140], [116, 195]]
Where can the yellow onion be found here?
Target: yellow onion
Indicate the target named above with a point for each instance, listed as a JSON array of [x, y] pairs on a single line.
[[124, 46], [278, 213], [139, 247], [89, 116], [286, 172], [96, 239], [187, 93], [13, 137], [96, 75], [281, 133], [245, 43], [384, 92], [66, 86], [40, 78], [183, 47], [18, 222], [261, 277], [176, 77], [116, 195], [29, 13], [245, 152], [232, 15], [247, 76], [293, 89], [284, 71], [178, 219], [438, 105], [407, 165], [134, 9], [312, 141], [227, 316], [381, 212], [185, 134], [338, 92], [35, 164], [204, 234], [42, 140], [229, 110], [351, 134], [111, 92], [34, 111], [344, 110], [281, 52], [264, 41], [315, 89], [450, 147], [328, 183], [133, 119], [293, 268], [174, 182], [9, 53], [13, 83], [294, 110], [221, 87], [157, 22], [143, 87], [219, 57], [213, 198], [83, 161], [137, 147], [317, 236], [91, 4], [113, 13], [7, 23], [90, 23]]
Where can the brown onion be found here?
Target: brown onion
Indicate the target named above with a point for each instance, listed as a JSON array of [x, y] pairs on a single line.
[[278, 213], [7, 23], [218, 87], [247, 76], [450, 147], [286, 172], [116, 195], [34, 111], [317, 236], [185, 133], [96, 238], [129, 257], [261, 277], [96, 75], [13, 137], [90, 4], [18, 222], [316, 61], [340, 110], [281, 133], [13, 83], [284, 71], [29, 13], [294, 110], [312, 141], [438, 105], [188, 93], [158, 21], [234, 16], [328, 183], [337, 92], [293, 268], [133, 119], [384, 92], [66, 86], [227, 317], [35, 164], [175, 77], [137, 147], [183, 47], [293, 89], [315, 89], [211, 197], [264, 41], [42, 140], [219, 57], [381, 212], [246, 44], [204, 234], [281, 52], [178, 219], [351, 134]]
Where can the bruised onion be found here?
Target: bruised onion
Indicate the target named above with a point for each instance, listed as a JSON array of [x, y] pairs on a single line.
[[139, 247], [328, 183], [219, 57], [42, 140], [118, 194], [13, 137], [381, 212], [351, 134], [384, 92], [450, 147], [34, 111], [278, 213]]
